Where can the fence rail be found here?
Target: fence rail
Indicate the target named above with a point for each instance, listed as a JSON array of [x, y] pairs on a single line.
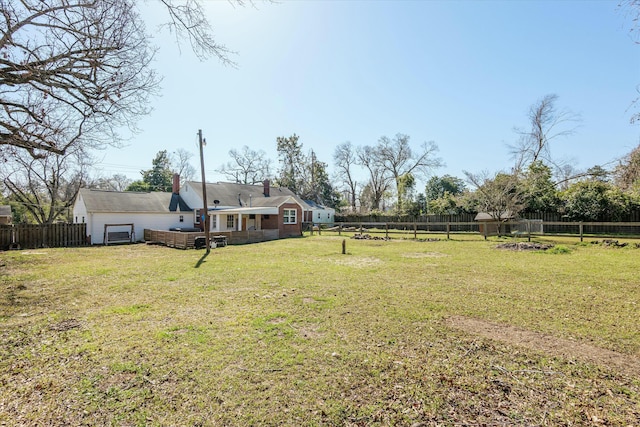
[[487, 228], [31, 236]]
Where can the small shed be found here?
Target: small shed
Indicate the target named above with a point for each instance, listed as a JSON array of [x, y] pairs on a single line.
[[491, 223], [5, 215]]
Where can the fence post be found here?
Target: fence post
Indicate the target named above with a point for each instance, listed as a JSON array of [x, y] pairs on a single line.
[[340, 230], [448, 229], [528, 230], [415, 230], [581, 230], [386, 230]]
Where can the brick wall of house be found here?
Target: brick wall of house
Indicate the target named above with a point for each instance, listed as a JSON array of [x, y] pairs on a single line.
[[270, 223], [290, 230]]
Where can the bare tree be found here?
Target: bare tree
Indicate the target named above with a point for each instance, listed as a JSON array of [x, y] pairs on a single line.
[[632, 10], [47, 185], [117, 182], [181, 164], [71, 73], [398, 159], [627, 172], [188, 21], [500, 195], [247, 166], [74, 72], [379, 179], [345, 158], [547, 124]]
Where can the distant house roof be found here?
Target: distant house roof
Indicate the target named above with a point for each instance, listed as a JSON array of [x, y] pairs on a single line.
[[485, 216], [315, 205], [245, 195], [5, 210], [132, 201]]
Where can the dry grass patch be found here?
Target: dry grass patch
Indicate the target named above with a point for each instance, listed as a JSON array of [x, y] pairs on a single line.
[[424, 255]]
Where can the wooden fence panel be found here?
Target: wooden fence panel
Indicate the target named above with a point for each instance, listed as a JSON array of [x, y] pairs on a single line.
[[31, 236]]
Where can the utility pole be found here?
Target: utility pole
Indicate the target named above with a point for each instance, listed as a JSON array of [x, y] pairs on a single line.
[[204, 193]]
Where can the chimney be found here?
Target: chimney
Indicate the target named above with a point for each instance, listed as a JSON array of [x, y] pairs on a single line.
[[266, 188], [176, 184]]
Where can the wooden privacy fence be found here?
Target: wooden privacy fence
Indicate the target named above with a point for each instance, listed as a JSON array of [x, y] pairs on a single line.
[[186, 240], [31, 236], [486, 228]]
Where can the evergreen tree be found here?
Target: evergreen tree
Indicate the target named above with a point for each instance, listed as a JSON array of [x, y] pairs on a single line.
[[158, 178]]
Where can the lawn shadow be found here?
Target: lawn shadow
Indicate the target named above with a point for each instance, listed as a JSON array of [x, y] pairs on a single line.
[[202, 259]]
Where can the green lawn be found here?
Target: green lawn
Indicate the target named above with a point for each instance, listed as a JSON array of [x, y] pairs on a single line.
[[293, 332]]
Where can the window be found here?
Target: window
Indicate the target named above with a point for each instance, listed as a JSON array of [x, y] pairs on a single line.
[[289, 216], [181, 218], [214, 222], [318, 215], [231, 221], [196, 219], [328, 216]]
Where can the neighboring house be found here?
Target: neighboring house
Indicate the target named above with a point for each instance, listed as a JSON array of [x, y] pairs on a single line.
[[153, 210], [238, 207], [5, 215], [319, 214]]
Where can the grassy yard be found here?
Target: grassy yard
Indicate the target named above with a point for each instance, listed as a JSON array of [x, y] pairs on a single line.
[[295, 333]]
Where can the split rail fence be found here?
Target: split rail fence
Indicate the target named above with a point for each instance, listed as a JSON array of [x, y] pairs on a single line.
[[521, 228]]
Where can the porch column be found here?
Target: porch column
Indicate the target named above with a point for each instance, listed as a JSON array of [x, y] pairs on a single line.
[[212, 216], [239, 227]]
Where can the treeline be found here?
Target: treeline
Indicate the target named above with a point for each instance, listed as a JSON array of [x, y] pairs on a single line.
[[390, 177]]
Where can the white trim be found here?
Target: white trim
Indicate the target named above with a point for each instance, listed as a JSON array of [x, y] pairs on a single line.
[[285, 216], [246, 211]]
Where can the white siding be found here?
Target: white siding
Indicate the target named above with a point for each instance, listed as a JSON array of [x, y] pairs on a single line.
[[189, 196], [79, 211], [323, 216], [159, 221]]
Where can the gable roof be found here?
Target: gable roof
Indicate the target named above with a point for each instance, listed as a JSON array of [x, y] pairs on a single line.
[[314, 205], [131, 201], [230, 194]]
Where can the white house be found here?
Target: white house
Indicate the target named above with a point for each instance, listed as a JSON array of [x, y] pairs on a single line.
[[239, 207], [319, 214], [231, 207], [129, 211]]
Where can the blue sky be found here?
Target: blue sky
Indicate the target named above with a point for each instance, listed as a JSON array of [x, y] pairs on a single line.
[[460, 73]]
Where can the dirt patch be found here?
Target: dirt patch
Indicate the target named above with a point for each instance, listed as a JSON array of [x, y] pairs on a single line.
[[276, 320], [524, 246], [65, 325], [369, 237], [626, 364]]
